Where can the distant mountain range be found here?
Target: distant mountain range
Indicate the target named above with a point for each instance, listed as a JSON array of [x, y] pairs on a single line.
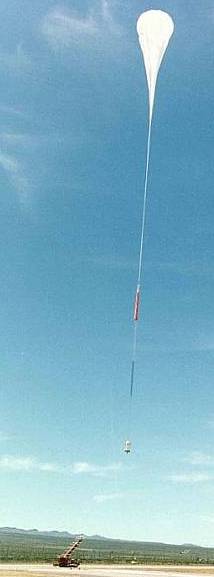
[[67, 535], [63, 534], [31, 545]]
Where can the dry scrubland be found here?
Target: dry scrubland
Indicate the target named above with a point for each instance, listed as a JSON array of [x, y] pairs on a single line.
[[31, 554], [33, 547]]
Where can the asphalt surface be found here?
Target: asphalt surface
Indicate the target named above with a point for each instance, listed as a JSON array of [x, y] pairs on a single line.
[[25, 570]]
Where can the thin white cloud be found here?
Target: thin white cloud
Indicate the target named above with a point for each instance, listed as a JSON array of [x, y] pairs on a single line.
[[4, 437], [11, 110], [50, 468], [14, 138], [190, 478], [16, 149], [15, 62], [15, 173], [30, 464], [210, 423], [117, 495], [62, 27], [25, 464], [107, 17], [106, 14], [9, 163], [93, 469], [22, 141], [198, 458], [207, 519], [102, 498]]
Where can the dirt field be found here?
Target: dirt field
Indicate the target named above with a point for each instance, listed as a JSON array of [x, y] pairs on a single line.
[[103, 571]]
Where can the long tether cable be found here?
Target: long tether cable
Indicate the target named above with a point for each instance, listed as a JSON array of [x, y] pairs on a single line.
[[140, 266]]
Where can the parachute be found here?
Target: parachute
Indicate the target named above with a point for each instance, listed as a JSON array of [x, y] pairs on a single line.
[[154, 29]]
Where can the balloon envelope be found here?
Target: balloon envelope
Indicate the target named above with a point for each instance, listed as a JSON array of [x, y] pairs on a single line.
[[155, 29]]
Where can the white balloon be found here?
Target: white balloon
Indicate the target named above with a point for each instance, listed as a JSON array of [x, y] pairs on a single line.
[[155, 29]]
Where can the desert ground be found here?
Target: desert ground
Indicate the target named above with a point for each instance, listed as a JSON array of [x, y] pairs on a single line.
[[12, 570]]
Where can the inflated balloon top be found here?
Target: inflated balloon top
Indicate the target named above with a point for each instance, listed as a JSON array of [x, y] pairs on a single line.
[[155, 29]]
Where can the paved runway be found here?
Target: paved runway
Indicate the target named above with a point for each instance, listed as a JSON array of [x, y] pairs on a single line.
[[25, 570]]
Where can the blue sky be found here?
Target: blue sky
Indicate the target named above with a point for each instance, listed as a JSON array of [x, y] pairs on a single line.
[[73, 114]]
